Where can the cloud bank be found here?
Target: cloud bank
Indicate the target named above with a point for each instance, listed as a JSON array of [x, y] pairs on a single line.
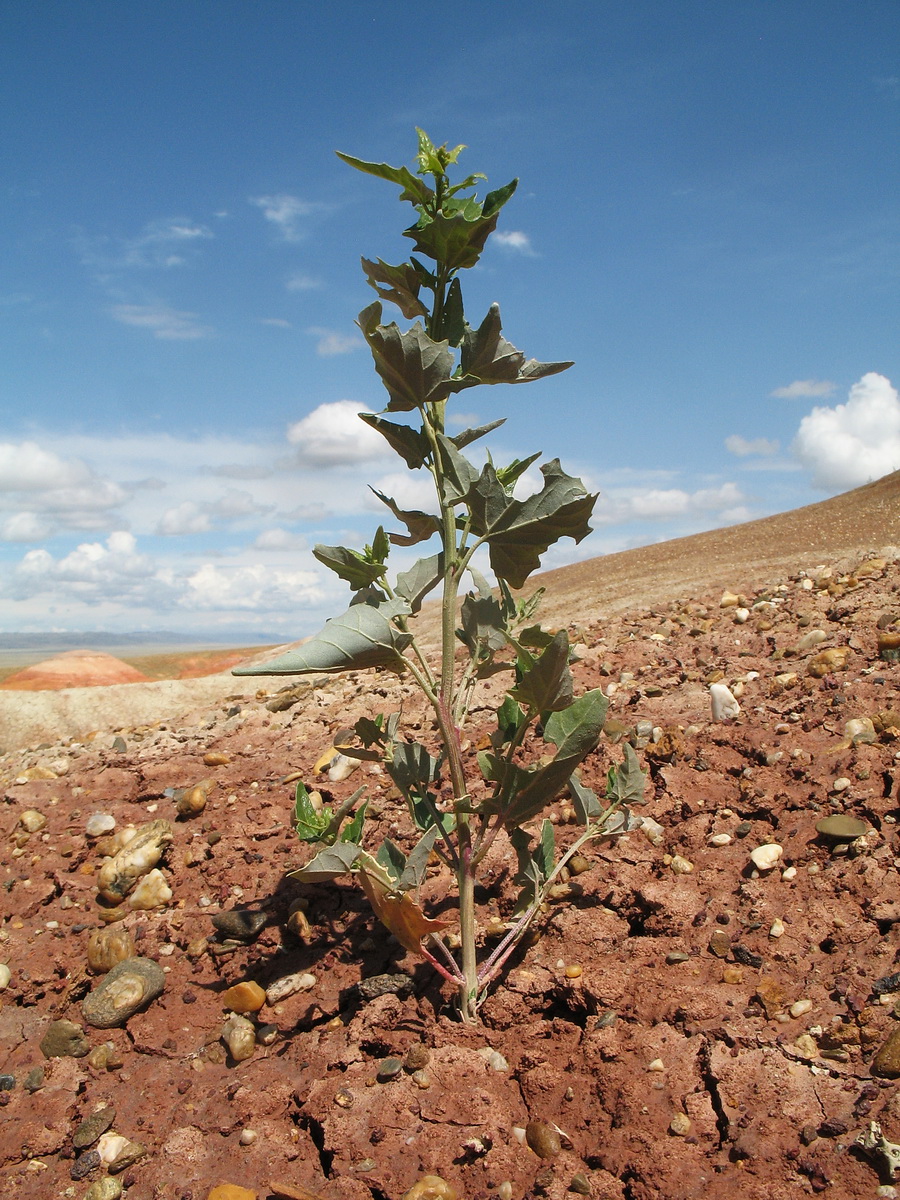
[[853, 443]]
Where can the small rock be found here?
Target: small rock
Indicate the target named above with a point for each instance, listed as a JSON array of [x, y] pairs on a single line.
[[230, 1191], [887, 983], [806, 1047], [141, 853], [216, 758], [681, 865], [860, 731], [384, 985], [417, 1057], [130, 986], [388, 1068], [191, 801], [842, 828], [800, 1008], [720, 839], [242, 923], [580, 1184], [64, 1039], [93, 1126], [244, 997], [765, 857], [34, 1080], [86, 1165], [107, 947], [239, 1036], [776, 929], [7, 1083], [5, 976], [431, 1187], [31, 820], [828, 661], [719, 943], [289, 985], [543, 1139], [98, 824], [110, 1145], [887, 1061], [676, 956], [680, 1125], [724, 705], [108, 1188]]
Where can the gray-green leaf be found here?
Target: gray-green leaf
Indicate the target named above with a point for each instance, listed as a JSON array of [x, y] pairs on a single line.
[[329, 863]]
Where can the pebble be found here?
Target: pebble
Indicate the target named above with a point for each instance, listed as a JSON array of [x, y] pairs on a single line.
[[34, 1080], [418, 1056], [7, 1083], [98, 824], [388, 1068], [244, 997], [719, 943], [5, 976], [384, 985], [680, 1125], [431, 1187], [887, 1061], [887, 983], [117, 877], [247, 1136], [108, 1188], [800, 1008], [656, 1065], [827, 661], [130, 986], [107, 947], [93, 1126], [64, 1039], [765, 857], [841, 785], [721, 839], [842, 828], [32, 821], [676, 956], [216, 758], [724, 705], [243, 923], [230, 1191], [151, 892], [191, 801], [681, 865], [289, 985], [806, 1046], [860, 731], [776, 929], [239, 1036], [86, 1165], [543, 1139], [580, 1184]]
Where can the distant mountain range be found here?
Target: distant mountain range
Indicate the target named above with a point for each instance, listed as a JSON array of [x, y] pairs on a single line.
[[97, 639]]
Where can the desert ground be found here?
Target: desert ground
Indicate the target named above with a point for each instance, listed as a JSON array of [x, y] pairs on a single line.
[[685, 1023]]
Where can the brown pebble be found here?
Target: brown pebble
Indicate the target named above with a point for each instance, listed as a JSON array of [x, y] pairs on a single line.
[[542, 1139], [887, 1061], [720, 944], [216, 758]]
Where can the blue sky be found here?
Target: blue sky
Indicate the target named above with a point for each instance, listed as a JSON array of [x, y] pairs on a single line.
[[706, 223]]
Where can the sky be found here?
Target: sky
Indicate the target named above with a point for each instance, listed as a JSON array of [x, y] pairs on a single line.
[[706, 223]]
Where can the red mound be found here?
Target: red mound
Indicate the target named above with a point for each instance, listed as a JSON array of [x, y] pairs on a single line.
[[74, 668]]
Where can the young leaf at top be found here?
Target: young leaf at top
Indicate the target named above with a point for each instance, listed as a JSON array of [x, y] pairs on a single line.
[[349, 565], [414, 189]]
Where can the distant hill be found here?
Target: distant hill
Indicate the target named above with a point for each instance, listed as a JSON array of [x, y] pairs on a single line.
[[98, 638]]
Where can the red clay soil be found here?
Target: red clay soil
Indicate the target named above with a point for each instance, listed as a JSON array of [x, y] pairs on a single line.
[[683, 1026], [73, 668]]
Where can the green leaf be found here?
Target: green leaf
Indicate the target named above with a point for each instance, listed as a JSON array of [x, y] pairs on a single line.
[[453, 321], [584, 801], [392, 859], [425, 815], [415, 584], [421, 525], [510, 716], [518, 532], [495, 200], [483, 626], [414, 189], [509, 476], [349, 565], [412, 768], [627, 783], [416, 864], [460, 476], [455, 236], [309, 823], [361, 637], [329, 863], [352, 831], [410, 444], [548, 686], [487, 357], [576, 731], [414, 369], [470, 435], [403, 286]]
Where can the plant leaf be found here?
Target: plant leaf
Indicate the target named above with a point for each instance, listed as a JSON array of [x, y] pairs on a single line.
[[627, 782], [416, 863], [421, 525], [415, 584], [412, 768], [518, 532], [584, 801], [309, 823], [410, 444], [349, 565], [329, 863], [576, 731], [361, 637], [483, 625], [399, 914], [453, 321], [471, 435], [414, 369], [415, 190], [352, 831], [548, 686], [460, 476], [403, 286], [456, 235], [392, 859]]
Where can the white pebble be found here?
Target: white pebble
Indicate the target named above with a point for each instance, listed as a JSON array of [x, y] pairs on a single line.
[[841, 785], [776, 929], [248, 1137], [656, 1065], [800, 1008], [99, 823], [5, 976], [765, 857], [681, 866], [721, 839], [289, 985], [724, 705], [789, 873], [741, 616]]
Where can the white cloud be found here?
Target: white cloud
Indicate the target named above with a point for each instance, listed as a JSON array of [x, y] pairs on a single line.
[[332, 435], [186, 518], [25, 527], [93, 571], [410, 489], [302, 283], [331, 343], [26, 467], [514, 239], [280, 539], [744, 447], [236, 503], [852, 443], [619, 506], [803, 389], [163, 322], [161, 243], [285, 213], [253, 588]]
